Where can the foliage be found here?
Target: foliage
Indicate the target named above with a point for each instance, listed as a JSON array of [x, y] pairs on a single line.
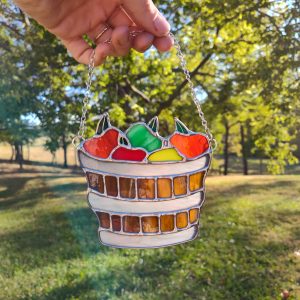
[[242, 57]]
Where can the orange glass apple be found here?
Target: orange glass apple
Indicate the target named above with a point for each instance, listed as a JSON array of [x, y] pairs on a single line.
[[190, 144]]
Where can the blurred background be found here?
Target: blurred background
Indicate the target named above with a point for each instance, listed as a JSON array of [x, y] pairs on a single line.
[[244, 62]]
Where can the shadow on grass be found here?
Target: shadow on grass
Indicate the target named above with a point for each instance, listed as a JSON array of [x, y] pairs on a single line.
[[50, 232], [52, 237], [70, 187], [12, 186], [75, 289], [17, 196]]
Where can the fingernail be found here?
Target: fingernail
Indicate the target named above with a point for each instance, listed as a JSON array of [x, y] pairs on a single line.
[[161, 25]]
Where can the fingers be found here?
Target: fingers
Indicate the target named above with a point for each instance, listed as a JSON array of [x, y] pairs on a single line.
[[142, 42], [145, 14], [82, 52], [120, 41], [164, 43], [120, 45]]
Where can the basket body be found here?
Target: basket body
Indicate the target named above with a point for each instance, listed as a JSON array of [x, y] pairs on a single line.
[[145, 205], [145, 190]]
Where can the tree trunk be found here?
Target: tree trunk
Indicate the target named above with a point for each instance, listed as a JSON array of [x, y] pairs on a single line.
[[226, 146], [244, 150], [12, 153], [19, 154], [28, 150], [261, 166], [65, 151]]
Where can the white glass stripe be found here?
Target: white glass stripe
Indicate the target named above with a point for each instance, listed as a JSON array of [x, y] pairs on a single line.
[[149, 241], [144, 207], [140, 169]]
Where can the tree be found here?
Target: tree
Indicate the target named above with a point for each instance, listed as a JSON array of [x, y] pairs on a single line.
[[242, 57]]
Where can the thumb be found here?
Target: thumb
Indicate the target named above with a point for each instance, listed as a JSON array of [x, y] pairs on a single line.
[[145, 14]]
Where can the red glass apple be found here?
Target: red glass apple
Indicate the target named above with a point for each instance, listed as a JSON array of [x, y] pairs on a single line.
[[105, 141], [123, 153]]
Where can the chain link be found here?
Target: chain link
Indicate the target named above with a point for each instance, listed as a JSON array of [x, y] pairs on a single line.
[[183, 63], [82, 127]]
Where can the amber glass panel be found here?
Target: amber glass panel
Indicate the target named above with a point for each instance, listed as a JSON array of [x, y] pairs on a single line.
[[167, 223], [181, 220], [100, 187], [180, 185], [131, 224], [103, 219], [150, 224], [196, 181], [146, 188], [93, 180], [164, 188], [194, 215], [96, 182], [116, 222], [111, 186], [127, 187]]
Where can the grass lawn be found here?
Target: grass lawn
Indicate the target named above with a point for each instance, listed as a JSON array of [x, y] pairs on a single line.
[[248, 248]]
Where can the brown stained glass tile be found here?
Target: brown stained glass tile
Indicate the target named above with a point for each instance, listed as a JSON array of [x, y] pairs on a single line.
[[182, 220], [103, 219], [164, 188], [111, 186], [92, 179], [150, 224], [127, 187], [146, 188], [131, 224], [100, 184], [196, 181], [167, 223], [193, 213], [180, 185], [116, 222], [96, 182]]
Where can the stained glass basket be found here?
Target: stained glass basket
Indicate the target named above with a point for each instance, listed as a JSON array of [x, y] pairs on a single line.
[[146, 190]]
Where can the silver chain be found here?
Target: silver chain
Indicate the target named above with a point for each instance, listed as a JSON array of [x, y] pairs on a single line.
[[183, 63], [82, 127]]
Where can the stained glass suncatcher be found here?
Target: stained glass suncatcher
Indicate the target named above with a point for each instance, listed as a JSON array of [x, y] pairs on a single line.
[[146, 190]]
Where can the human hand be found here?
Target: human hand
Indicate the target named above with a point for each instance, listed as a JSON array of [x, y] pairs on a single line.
[[69, 20]]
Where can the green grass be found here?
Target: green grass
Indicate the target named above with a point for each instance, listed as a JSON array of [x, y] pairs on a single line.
[[247, 248]]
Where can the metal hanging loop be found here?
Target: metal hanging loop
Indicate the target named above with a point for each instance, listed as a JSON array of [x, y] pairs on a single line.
[[82, 127]]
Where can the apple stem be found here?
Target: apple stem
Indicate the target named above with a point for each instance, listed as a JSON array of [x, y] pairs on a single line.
[[123, 141], [180, 127], [153, 124], [103, 123]]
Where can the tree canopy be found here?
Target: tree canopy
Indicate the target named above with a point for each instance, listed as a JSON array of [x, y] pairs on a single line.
[[243, 57]]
